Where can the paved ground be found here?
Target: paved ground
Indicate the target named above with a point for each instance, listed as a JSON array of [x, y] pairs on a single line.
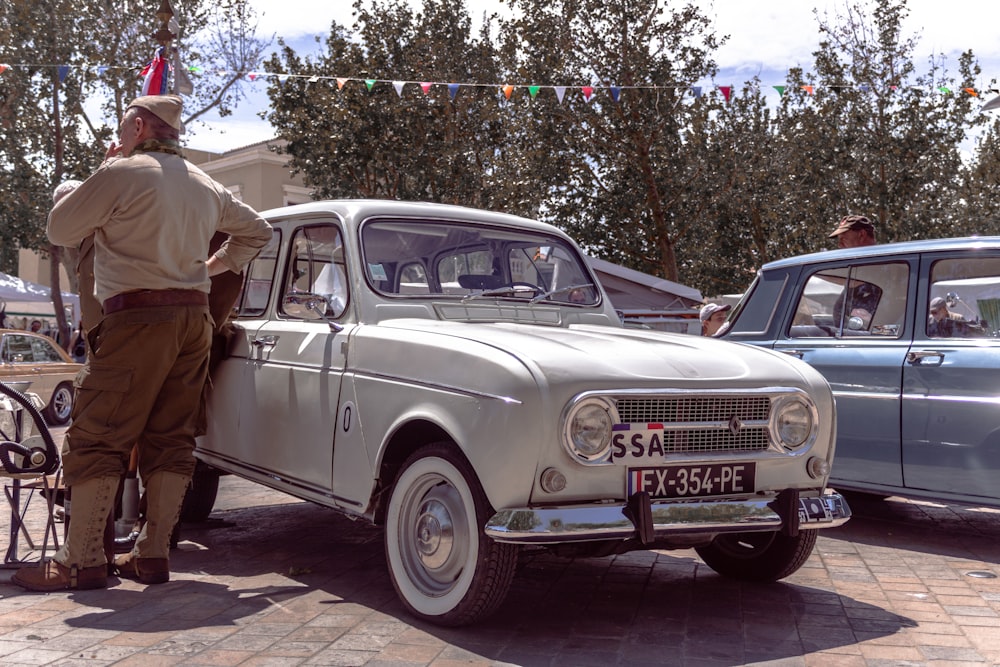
[[272, 581]]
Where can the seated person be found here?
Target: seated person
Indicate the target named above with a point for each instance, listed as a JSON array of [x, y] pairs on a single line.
[[941, 323], [863, 298]]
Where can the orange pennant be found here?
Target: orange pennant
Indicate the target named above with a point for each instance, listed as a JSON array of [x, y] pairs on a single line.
[[3, 68], [340, 83], [808, 89], [972, 91], [507, 90]]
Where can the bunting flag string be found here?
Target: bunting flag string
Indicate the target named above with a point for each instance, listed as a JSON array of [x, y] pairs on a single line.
[[156, 74]]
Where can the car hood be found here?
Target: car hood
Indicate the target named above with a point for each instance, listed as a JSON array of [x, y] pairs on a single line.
[[621, 356]]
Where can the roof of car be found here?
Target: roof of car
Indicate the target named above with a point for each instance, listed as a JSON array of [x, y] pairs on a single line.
[[364, 208], [885, 249]]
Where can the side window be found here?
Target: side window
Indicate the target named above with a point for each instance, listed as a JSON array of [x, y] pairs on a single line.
[[964, 298], [316, 266], [259, 278], [862, 300], [17, 350], [42, 350]]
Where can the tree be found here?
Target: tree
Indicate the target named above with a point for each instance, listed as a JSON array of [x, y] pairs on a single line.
[[380, 134], [622, 162]]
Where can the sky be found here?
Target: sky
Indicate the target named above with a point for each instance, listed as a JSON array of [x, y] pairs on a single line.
[[766, 38]]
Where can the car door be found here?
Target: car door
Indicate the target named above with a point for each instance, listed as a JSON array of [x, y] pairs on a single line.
[[951, 397], [852, 321], [295, 363]]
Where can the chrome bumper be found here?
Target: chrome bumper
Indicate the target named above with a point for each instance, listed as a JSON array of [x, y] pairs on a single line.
[[552, 525]]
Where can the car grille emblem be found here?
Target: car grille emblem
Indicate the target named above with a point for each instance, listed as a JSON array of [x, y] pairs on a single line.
[[735, 425]]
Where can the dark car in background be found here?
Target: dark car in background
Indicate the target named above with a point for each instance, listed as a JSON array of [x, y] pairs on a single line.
[[907, 336]]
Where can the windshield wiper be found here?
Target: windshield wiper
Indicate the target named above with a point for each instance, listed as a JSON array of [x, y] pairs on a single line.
[[568, 288]]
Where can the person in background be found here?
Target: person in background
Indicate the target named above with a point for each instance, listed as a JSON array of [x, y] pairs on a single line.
[[854, 231], [942, 323], [713, 316], [152, 214], [36, 326]]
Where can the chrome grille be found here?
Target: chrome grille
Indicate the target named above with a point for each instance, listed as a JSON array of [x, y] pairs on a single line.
[[703, 423]]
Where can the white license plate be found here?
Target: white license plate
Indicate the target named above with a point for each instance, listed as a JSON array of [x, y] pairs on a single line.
[[688, 481]]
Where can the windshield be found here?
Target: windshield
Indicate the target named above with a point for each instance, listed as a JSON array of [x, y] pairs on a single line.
[[418, 258]]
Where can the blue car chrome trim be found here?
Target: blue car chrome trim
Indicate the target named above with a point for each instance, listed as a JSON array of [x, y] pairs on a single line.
[[553, 525]]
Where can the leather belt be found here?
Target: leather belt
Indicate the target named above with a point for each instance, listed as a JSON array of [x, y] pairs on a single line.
[[155, 297]]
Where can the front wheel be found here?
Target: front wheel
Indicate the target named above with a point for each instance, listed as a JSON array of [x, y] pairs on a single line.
[[766, 556], [443, 566], [60, 406]]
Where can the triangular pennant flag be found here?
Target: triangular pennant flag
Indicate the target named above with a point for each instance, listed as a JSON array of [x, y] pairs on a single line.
[[944, 90], [588, 91], [194, 69], [560, 93], [808, 89], [726, 91], [100, 70], [313, 79], [63, 72], [340, 82], [252, 76], [781, 90], [616, 92], [893, 88], [282, 78], [864, 88], [533, 90], [369, 83], [426, 86], [971, 91], [507, 90], [452, 90], [398, 85], [696, 91], [3, 68]]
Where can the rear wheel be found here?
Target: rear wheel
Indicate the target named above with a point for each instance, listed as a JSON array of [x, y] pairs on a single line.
[[766, 556], [444, 568], [60, 406], [200, 497]]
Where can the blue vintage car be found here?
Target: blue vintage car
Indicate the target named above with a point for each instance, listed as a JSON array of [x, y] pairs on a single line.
[[907, 336]]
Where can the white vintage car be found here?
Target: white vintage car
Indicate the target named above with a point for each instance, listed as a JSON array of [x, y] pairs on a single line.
[[460, 377]]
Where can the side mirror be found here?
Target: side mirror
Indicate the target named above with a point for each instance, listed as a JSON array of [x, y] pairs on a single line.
[[305, 305], [308, 306]]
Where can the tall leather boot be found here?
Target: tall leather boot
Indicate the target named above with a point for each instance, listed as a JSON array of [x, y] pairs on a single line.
[[80, 563], [149, 560]]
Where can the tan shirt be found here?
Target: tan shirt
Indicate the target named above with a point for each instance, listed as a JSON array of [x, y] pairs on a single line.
[[152, 215]]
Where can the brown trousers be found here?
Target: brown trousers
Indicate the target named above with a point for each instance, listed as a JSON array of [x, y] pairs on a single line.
[[142, 385]]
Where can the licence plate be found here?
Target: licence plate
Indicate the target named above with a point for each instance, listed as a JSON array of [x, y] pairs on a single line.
[[688, 481]]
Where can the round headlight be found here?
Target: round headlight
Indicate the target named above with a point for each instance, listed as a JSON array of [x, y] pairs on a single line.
[[588, 430], [793, 422]]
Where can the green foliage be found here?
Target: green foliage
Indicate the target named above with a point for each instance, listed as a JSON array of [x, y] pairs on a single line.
[[697, 190]]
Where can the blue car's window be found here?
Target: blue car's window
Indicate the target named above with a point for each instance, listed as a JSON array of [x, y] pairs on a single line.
[[964, 298], [864, 300]]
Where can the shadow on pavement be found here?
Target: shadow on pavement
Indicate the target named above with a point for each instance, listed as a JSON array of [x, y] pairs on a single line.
[[271, 564], [955, 531]]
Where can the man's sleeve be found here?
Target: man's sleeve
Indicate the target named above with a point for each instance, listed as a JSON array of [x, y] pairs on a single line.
[[82, 211], [248, 233]]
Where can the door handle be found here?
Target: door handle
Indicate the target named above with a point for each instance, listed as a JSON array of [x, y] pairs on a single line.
[[917, 358], [798, 354]]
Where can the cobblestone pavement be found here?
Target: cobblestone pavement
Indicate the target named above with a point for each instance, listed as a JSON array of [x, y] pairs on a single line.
[[269, 580]]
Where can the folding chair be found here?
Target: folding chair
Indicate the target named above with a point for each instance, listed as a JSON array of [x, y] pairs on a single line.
[[30, 459]]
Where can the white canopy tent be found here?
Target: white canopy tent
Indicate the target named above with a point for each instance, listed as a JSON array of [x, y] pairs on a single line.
[[22, 298]]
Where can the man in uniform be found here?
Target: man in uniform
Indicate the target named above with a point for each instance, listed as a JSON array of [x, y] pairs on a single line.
[[152, 214]]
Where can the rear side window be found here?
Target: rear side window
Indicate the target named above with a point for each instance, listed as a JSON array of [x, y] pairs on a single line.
[[964, 298], [259, 278], [862, 300]]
